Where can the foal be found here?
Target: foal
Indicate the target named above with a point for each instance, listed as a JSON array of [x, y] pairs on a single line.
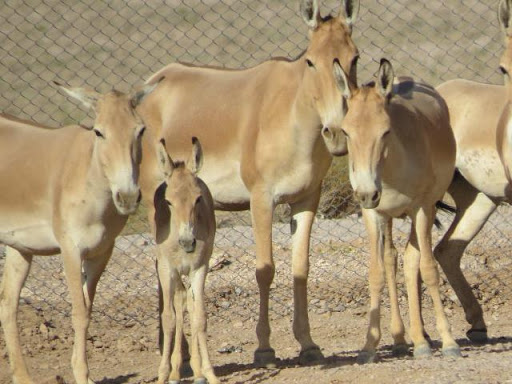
[[401, 161], [183, 224]]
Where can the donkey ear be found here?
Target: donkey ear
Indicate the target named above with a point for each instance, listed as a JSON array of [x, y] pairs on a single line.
[[342, 80], [349, 12], [310, 13], [164, 160], [385, 78], [146, 90], [504, 16], [87, 97], [196, 161]]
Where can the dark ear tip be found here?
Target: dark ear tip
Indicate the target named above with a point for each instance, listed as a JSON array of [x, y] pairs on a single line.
[[162, 141], [57, 83], [384, 61], [194, 140]]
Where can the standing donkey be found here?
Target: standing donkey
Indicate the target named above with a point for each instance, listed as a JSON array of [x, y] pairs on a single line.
[[481, 182], [401, 161], [68, 191], [265, 133], [183, 223]]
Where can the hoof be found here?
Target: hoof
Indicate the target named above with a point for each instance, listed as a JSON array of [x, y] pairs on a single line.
[[452, 351], [265, 358], [477, 335], [310, 356], [174, 382], [422, 350], [200, 380], [365, 357], [400, 350]]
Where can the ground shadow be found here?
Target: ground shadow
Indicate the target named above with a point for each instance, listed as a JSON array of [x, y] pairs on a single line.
[[121, 379]]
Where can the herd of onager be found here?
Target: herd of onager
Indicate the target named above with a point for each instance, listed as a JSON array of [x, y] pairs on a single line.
[[196, 139]]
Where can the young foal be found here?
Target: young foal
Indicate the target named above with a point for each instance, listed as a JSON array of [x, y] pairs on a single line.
[[68, 191], [183, 223], [401, 160], [480, 184], [261, 131]]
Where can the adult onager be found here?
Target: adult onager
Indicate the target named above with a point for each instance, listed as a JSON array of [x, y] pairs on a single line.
[[183, 223], [480, 183], [265, 132], [401, 161], [70, 191]]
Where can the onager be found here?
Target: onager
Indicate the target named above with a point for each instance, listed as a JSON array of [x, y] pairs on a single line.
[[265, 133], [68, 191], [401, 161], [183, 223], [480, 183]]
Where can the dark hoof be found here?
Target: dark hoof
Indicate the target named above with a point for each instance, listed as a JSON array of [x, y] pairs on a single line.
[[400, 350], [452, 351], [201, 380], [422, 350], [310, 356], [265, 358], [477, 335], [366, 357]]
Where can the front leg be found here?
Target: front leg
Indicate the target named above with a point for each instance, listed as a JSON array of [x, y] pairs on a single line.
[[430, 275], [262, 208], [376, 226], [397, 328], [80, 314], [303, 214], [167, 280]]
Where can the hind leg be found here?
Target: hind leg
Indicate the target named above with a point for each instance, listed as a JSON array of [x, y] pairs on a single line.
[[16, 269], [473, 210]]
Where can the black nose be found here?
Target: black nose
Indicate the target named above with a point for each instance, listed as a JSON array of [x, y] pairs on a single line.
[[188, 245], [326, 132]]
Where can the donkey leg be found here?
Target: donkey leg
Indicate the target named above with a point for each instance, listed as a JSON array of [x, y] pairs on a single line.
[[430, 275], [411, 272], [400, 347], [16, 269], [167, 280], [303, 214], [199, 326], [179, 308], [262, 209], [376, 227], [473, 210], [80, 313], [93, 269]]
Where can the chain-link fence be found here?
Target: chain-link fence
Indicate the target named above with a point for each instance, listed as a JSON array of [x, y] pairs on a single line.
[[120, 43]]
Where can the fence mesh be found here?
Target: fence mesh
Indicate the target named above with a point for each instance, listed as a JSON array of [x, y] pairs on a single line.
[[120, 43]]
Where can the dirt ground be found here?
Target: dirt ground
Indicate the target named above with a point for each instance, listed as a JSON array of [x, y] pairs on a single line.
[[122, 346], [120, 354]]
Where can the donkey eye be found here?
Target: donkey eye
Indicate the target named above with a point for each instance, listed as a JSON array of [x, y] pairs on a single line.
[[141, 132], [503, 70], [168, 203], [99, 134], [386, 134], [344, 132], [310, 63], [198, 200]]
